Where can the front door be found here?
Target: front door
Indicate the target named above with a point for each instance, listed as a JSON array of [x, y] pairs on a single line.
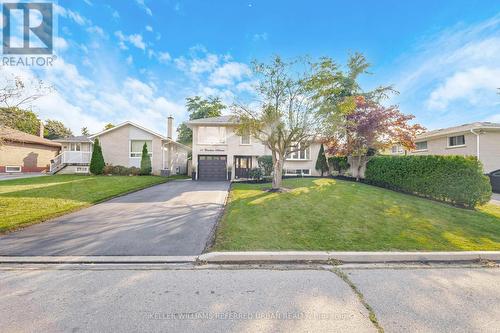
[[242, 166]]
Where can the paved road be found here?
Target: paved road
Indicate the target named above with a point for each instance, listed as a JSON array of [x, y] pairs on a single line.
[[200, 299], [168, 219]]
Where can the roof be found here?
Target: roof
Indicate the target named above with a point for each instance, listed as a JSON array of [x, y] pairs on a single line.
[[142, 128], [80, 138], [222, 120], [10, 134], [459, 129]]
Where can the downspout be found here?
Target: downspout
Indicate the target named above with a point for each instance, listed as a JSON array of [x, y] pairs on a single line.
[[162, 155], [477, 142]]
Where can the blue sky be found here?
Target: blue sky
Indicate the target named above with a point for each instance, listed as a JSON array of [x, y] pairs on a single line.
[[139, 59]]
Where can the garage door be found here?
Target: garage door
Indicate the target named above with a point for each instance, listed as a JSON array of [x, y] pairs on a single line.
[[495, 181], [212, 167]]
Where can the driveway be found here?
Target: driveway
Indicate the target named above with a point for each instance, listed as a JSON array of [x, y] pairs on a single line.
[[495, 198], [7, 176], [174, 218]]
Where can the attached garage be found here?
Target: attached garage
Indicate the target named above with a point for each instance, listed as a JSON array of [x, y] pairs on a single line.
[[212, 167]]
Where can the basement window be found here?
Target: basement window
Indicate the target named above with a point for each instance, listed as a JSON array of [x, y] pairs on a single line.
[[12, 168]]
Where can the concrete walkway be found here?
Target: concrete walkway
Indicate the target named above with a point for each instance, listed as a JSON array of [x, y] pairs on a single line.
[[175, 218], [8, 176]]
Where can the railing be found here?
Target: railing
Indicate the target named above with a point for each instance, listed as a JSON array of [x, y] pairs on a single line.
[[70, 157]]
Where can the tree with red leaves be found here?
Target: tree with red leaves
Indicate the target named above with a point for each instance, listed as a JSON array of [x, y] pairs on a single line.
[[372, 127]]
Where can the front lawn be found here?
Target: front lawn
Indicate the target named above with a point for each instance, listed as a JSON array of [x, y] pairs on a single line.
[[30, 200], [327, 214]]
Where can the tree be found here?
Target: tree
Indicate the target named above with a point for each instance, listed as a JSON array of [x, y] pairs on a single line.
[[145, 161], [321, 163], [372, 127], [85, 131], [97, 160], [23, 120], [198, 108], [55, 129], [283, 120], [108, 126]]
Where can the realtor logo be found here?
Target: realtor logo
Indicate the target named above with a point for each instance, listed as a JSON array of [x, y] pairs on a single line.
[[27, 28]]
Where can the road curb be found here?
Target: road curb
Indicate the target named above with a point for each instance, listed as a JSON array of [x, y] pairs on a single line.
[[347, 257], [268, 258]]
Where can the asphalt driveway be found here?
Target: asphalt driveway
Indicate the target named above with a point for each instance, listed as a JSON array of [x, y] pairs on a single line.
[[174, 218]]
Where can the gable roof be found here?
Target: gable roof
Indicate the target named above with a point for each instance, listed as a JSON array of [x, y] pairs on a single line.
[[222, 120], [80, 138], [142, 128], [459, 129], [14, 135]]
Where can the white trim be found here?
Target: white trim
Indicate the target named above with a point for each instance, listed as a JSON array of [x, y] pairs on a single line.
[[296, 174], [249, 141], [307, 158], [454, 146], [150, 153], [13, 166]]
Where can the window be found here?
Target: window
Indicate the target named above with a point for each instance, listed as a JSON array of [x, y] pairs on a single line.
[[136, 147], [297, 172], [397, 149], [11, 168], [211, 158], [454, 141], [211, 135], [301, 154], [82, 169], [421, 145], [245, 139], [75, 146]]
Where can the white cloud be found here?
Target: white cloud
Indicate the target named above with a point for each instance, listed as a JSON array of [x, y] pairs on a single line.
[[142, 4], [130, 60], [72, 15], [164, 57], [134, 39], [467, 85], [97, 31], [229, 72], [60, 44], [149, 28], [260, 37]]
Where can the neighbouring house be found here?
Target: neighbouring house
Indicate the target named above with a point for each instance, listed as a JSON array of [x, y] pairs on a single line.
[[23, 152], [217, 148], [122, 145], [480, 139], [75, 155]]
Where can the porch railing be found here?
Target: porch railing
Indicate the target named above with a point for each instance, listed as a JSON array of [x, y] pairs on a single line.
[[70, 157]]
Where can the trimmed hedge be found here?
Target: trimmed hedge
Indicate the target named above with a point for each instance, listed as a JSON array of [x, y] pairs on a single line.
[[454, 179]]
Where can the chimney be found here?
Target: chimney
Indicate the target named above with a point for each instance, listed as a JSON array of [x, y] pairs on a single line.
[[42, 128], [170, 125]]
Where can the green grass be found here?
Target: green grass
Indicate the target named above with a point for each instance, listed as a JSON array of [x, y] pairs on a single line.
[[327, 214], [31, 200]]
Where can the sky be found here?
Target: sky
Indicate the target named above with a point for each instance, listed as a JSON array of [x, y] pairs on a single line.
[[138, 60]]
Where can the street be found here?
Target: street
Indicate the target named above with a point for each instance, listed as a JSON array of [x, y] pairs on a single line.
[[209, 298]]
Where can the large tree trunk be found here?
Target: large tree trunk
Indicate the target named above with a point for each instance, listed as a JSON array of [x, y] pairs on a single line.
[[278, 169]]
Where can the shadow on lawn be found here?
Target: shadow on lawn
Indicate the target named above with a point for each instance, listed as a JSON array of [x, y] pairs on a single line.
[[362, 214]]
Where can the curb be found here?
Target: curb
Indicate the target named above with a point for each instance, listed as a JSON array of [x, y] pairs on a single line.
[[347, 257], [262, 257]]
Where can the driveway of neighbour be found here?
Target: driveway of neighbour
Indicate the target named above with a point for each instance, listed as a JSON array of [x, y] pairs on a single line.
[[495, 198], [175, 218], [7, 176]]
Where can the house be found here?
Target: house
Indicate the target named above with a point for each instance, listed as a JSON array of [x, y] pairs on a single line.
[[122, 145], [217, 148], [480, 139], [23, 152]]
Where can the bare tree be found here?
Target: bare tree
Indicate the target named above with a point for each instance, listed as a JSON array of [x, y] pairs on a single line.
[[283, 117]]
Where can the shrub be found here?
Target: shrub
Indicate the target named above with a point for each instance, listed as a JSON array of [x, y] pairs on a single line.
[[321, 163], [134, 171], [97, 161], [145, 161], [266, 164], [255, 173], [339, 163], [108, 169], [455, 179]]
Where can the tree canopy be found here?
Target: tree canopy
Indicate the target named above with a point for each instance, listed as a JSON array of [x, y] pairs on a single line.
[[55, 129], [23, 120]]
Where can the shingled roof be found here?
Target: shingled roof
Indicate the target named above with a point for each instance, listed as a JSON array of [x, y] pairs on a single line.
[[13, 135]]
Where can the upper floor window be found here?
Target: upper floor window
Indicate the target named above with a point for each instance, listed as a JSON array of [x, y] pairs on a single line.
[[136, 147], [245, 139], [301, 153], [422, 145], [75, 146], [454, 141], [211, 135]]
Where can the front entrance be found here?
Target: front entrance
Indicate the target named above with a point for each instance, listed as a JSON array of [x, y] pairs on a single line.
[[242, 166], [212, 167]]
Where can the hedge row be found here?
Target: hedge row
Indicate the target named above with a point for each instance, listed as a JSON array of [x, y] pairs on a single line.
[[454, 179]]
